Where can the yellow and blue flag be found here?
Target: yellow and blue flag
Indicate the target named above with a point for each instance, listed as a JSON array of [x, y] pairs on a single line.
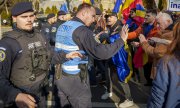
[[117, 6]]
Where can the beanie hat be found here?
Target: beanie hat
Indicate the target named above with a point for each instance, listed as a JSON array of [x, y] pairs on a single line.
[[21, 8]]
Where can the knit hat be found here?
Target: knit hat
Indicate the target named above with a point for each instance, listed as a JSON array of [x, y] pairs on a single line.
[[21, 8]]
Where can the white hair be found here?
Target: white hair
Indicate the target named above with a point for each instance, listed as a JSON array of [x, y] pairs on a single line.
[[164, 17]]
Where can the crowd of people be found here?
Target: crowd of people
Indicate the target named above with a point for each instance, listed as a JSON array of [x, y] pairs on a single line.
[[73, 51]]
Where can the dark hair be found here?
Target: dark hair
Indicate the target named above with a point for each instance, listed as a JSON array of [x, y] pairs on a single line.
[[83, 6], [133, 9], [152, 11], [174, 47]]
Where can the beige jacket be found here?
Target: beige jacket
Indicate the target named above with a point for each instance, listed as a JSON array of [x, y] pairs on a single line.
[[158, 51]]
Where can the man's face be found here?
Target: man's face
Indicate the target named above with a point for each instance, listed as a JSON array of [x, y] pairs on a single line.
[[90, 16], [149, 18], [132, 14], [97, 17], [111, 20], [52, 20], [162, 23], [25, 21]]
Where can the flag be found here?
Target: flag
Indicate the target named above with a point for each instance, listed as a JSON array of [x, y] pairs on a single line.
[[127, 6], [120, 60], [140, 11], [117, 6], [92, 2], [87, 1], [64, 7]]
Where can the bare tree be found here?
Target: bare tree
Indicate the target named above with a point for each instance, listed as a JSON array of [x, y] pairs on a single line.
[[149, 4], [2, 3]]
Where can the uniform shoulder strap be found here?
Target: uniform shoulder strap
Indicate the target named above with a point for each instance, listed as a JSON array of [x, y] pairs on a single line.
[[14, 46], [12, 34]]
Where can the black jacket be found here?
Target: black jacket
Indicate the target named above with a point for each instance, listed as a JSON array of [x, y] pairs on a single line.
[[84, 38], [9, 50]]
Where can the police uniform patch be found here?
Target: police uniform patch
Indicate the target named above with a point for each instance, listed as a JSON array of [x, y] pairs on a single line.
[[2, 55], [47, 30], [53, 29]]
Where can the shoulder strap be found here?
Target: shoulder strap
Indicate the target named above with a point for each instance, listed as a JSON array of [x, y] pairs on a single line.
[[12, 43], [12, 34]]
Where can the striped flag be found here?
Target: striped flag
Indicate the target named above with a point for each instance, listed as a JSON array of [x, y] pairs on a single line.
[[140, 11], [117, 6], [129, 4]]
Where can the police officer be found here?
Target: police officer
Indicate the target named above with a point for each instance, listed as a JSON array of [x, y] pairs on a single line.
[[61, 18], [46, 28], [24, 61], [74, 35]]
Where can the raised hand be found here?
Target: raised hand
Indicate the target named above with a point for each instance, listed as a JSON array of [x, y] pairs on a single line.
[[25, 101], [135, 44], [142, 38], [124, 32], [74, 54]]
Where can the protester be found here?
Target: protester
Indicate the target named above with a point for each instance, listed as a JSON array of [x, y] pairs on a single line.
[[156, 49], [132, 23], [148, 29], [119, 62]]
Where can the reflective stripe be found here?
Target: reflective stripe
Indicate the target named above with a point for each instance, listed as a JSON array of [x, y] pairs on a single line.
[[70, 68], [66, 47], [2, 48]]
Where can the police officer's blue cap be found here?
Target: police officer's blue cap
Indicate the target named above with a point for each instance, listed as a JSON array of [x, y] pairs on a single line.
[[21, 8], [111, 14], [51, 15], [61, 13], [98, 11]]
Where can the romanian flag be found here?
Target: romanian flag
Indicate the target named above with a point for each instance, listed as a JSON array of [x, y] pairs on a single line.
[[140, 11], [117, 8]]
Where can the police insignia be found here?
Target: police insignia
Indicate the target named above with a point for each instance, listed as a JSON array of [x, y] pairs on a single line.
[[2, 55], [53, 29]]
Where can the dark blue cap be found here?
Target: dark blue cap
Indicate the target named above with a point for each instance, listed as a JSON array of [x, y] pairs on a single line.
[[112, 14], [21, 8], [98, 11], [51, 15], [61, 13]]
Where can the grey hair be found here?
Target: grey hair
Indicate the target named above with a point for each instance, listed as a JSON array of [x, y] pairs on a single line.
[[164, 17]]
